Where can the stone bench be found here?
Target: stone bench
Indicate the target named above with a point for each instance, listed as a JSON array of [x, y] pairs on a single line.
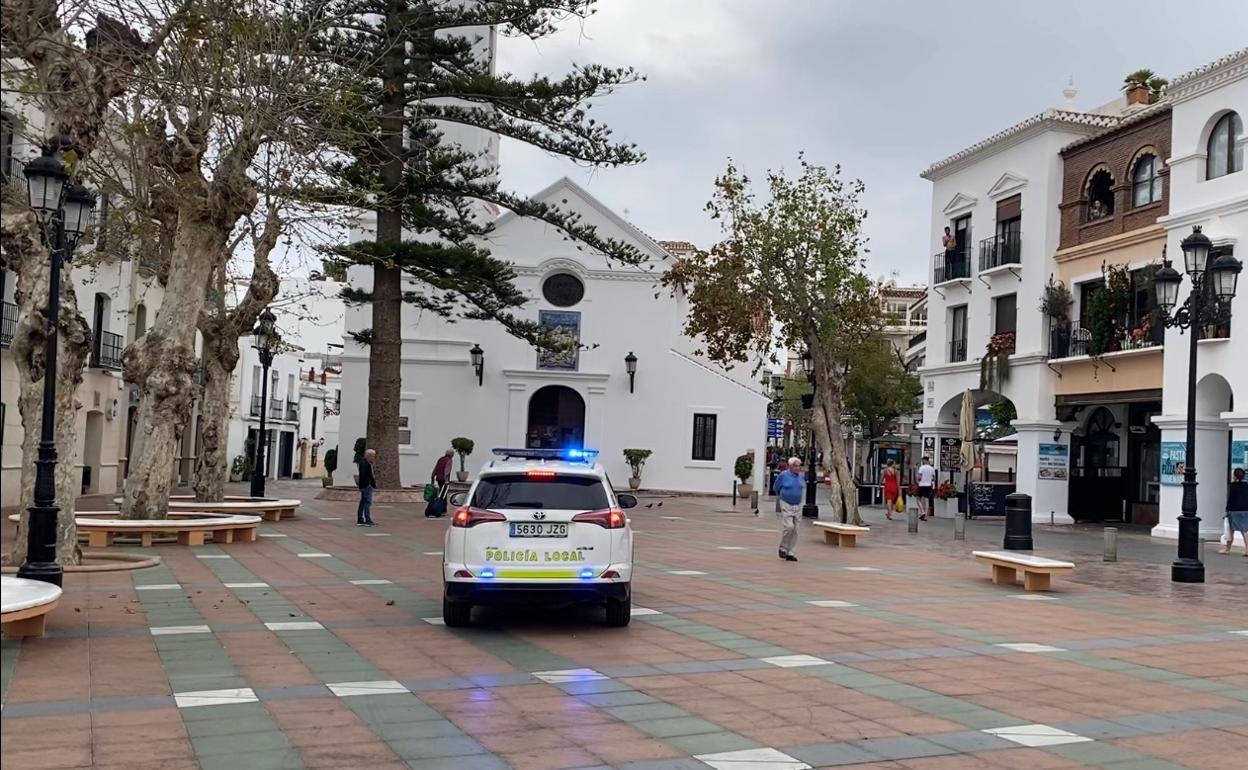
[[25, 604], [269, 509], [1037, 570], [189, 528], [841, 534]]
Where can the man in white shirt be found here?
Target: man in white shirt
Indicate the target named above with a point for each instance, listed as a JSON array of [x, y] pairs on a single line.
[[926, 479]]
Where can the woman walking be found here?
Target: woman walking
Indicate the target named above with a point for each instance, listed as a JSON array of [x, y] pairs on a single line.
[[1236, 512], [892, 489]]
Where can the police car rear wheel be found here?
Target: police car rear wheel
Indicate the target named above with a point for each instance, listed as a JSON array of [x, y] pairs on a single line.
[[619, 612], [456, 614]]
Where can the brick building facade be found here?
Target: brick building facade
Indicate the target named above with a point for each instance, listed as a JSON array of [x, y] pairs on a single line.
[[1117, 152]]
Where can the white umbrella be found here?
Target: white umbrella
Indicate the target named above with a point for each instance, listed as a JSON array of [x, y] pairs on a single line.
[[967, 430]]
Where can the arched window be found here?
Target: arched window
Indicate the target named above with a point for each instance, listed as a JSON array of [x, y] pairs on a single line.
[[1145, 181], [1099, 195], [1225, 155], [140, 320]]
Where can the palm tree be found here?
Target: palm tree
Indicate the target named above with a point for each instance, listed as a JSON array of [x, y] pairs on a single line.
[[1146, 78]]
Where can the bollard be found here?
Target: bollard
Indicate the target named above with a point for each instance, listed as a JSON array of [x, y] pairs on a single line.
[[1017, 522], [912, 521], [1111, 544], [959, 526]]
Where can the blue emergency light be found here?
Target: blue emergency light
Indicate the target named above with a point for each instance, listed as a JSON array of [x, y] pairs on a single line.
[[572, 453]]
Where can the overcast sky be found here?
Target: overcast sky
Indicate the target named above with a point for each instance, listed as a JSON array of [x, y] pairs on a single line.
[[883, 87]]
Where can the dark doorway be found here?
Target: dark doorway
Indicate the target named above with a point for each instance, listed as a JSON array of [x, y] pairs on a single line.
[[286, 455], [556, 419]]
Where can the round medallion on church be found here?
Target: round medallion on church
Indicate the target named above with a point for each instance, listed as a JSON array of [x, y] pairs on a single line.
[[563, 290]]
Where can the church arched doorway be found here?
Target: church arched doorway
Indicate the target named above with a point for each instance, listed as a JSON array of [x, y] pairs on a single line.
[[556, 418]]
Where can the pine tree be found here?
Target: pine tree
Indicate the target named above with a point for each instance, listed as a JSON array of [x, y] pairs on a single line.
[[429, 190]]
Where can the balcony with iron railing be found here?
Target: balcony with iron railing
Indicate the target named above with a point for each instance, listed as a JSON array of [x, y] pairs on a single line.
[[1000, 251], [8, 327], [275, 408], [951, 266], [1079, 341], [292, 411], [257, 404], [957, 351], [918, 339], [106, 351]]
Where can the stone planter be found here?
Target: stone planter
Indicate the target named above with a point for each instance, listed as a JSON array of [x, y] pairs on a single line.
[[745, 490], [946, 509], [634, 483], [461, 476]]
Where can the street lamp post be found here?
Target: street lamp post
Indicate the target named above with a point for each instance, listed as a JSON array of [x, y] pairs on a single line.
[[477, 356], [1208, 303], [63, 209], [263, 335], [630, 366], [811, 509]]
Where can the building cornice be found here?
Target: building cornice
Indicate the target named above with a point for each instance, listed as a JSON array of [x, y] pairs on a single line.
[[1152, 232], [1049, 120], [572, 266], [1215, 74], [1201, 214]]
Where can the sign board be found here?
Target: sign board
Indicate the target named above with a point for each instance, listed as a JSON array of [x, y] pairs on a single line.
[[1053, 462], [929, 446], [951, 454], [1172, 455], [1239, 455], [775, 427], [986, 499]]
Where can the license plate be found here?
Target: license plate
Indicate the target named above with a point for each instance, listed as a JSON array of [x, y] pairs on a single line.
[[539, 529]]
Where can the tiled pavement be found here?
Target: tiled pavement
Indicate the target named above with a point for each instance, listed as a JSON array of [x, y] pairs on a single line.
[[319, 647]]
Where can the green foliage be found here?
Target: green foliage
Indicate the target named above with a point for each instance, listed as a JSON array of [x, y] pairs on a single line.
[[240, 467], [1003, 414], [1056, 301], [333, 270], [879, 389], [463, 447], [790, 407], [360, 445], [331, 460], [743, 469], [1108, 309], [636, 459], [1155, 84]]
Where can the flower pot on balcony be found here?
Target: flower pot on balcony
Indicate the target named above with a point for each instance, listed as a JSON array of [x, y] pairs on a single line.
[[634, 482]]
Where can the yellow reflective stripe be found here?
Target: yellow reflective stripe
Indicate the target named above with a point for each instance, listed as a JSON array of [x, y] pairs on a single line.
[[539, 574]]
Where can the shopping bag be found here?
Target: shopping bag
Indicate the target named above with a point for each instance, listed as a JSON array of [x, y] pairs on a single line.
[[901, 505], [431, 492]]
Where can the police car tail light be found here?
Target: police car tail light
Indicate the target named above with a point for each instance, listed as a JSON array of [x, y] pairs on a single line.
[[611, 574], [540, 474], [462, 573], [607, 519], [471, 517]]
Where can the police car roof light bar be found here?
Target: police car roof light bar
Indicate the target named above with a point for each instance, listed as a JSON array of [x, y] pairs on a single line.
[[583, 455]]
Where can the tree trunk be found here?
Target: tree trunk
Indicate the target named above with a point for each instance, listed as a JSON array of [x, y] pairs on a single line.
[[29, 259], [162, 363], [212, 466], [829, 391], [385, 352]]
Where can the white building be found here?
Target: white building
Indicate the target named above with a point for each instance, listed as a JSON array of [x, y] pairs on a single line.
[[281, 413], [999, 198], [1209, 188], [696, 417]]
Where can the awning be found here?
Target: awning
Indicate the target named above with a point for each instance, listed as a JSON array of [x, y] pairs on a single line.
[[1115, 397]]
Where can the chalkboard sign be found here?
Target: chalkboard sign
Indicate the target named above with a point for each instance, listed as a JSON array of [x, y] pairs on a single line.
[[985, 499]]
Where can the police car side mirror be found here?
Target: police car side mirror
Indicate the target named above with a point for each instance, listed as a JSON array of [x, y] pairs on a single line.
[[457, 498], [626, 500]]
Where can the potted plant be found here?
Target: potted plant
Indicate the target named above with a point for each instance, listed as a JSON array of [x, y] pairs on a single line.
[[994, 367], [946, 500], [743, 469], [240, 468], [1107, 309], [1055, 304], [636, 459], [360, 445], [331, 465], [463, 447]]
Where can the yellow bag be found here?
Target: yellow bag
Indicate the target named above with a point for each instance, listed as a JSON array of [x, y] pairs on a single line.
[[901, 505]]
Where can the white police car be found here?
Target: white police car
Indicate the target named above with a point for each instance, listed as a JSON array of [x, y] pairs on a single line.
[[539, 525]]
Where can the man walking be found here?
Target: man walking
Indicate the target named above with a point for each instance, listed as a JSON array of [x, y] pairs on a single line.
[[926, 479], [789, 487], [442, 470], [367, 483]]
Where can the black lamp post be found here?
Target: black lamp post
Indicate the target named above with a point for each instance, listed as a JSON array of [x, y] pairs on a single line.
[[811, 509], [1207, 304], [63, 209], [264, 337], [630, 366], [478, 362]]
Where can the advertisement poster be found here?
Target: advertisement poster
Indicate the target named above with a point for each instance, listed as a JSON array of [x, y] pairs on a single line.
[[951, 454], [1054, 461], [1172, 453]]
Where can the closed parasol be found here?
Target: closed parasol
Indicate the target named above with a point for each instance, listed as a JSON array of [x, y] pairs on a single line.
[[966, 430]]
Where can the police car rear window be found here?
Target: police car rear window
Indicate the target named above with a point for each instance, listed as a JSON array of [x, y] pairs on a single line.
[[578, 493]]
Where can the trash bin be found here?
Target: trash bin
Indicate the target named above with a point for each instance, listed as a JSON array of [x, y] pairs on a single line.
[[1017, 522]]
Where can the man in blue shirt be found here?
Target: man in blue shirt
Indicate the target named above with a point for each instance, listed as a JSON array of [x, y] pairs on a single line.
[[789, 487]]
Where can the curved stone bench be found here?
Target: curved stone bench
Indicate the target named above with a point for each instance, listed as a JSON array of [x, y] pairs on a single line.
[[189, 527], [25, 604], [269, 509]]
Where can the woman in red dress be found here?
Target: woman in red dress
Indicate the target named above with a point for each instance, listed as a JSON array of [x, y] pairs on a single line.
[[892, 489]]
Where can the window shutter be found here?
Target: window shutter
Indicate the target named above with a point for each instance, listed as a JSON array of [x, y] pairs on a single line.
[[1010, 208]]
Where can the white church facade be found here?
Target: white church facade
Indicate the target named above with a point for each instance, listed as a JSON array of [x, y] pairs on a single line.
[[696, 417]]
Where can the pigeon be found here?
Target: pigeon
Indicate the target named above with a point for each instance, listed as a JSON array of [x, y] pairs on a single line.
[[649, 505], [660, 503]]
